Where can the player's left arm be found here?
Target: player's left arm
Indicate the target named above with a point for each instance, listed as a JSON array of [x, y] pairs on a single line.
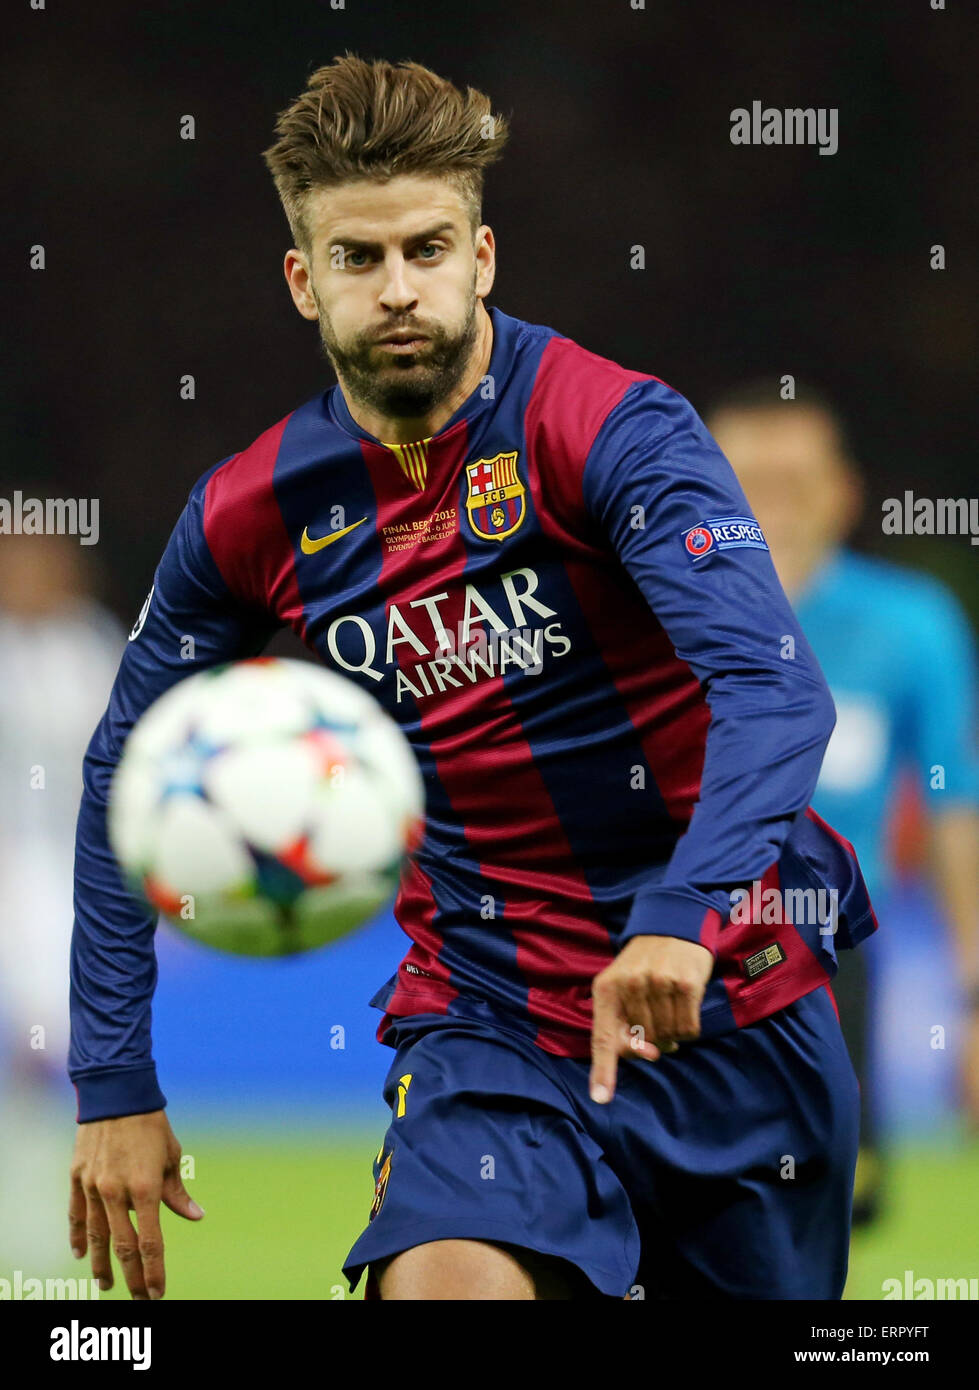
[[653, 475]]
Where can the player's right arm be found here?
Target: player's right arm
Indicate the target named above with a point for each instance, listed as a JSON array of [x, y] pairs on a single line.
[[126, 1155]]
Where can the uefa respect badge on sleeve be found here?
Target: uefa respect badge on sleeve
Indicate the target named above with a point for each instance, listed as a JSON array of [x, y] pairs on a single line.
[[722, 533]]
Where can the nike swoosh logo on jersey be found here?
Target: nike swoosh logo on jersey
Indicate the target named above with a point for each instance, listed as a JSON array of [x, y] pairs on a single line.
[[310, 547]]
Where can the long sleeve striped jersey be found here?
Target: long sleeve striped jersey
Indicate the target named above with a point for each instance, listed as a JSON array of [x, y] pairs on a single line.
[[564, 600]]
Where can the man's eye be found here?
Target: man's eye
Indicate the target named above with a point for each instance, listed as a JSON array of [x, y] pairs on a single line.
[[355, 257], [430, 246]]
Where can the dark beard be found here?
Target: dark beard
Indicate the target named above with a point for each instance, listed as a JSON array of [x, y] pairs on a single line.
[[408, 387]]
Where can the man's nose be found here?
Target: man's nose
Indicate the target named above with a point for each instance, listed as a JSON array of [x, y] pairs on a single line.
[[397, 294]]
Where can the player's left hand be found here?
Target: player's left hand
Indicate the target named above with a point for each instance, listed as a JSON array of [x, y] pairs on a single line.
[[645, 1003]]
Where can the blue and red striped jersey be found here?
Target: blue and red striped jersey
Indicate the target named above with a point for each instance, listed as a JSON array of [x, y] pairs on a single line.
[[564, 600]]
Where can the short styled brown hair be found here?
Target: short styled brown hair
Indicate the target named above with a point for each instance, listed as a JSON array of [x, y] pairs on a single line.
[[359, 119]]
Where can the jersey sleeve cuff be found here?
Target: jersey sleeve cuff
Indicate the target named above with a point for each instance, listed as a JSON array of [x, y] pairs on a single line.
[[675, 912], [104, 1095]]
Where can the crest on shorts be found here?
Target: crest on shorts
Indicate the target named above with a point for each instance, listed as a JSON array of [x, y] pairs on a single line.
[[380, 1187], [497, 499]]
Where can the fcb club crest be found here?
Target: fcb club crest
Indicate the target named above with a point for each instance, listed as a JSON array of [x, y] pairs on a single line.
[[497, 499]]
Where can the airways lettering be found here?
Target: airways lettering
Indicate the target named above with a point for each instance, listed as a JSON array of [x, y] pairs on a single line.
[[482, 645]]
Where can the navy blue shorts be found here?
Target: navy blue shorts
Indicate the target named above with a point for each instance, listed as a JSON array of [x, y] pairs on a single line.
[[723, 1170]]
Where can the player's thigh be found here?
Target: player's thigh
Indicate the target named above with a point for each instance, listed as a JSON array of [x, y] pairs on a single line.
[[486, 1145], [746, 1193], [475, 1270]]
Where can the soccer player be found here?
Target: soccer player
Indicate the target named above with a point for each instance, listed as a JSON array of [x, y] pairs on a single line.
[[907, 705], [617, 1060]]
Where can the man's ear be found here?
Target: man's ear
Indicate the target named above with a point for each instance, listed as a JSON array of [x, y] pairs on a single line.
[[485, 261], [299, 280]]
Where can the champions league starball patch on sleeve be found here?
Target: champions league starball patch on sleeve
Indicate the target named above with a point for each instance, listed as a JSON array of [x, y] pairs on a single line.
[[723, 533]]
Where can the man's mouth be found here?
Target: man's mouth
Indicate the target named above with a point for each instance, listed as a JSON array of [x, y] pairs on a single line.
[[404, 341]]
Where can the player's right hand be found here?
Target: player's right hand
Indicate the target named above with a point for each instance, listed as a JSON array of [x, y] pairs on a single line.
[[644, 1003], [130, 1163]]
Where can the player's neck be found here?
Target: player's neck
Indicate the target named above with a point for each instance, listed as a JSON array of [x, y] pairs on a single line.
[[405, 430]]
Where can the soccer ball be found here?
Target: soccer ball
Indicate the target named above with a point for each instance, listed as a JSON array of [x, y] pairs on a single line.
[[265, 807]]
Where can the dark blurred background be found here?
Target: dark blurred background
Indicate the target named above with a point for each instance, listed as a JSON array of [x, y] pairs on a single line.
[[163, 258], [164, 255]]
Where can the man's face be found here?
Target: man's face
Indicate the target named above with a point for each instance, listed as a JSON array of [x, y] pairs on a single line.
[[789, 463], [386, 258]]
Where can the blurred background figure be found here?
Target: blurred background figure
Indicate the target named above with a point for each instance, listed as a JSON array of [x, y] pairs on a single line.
[[898, 654], [59, 649]]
